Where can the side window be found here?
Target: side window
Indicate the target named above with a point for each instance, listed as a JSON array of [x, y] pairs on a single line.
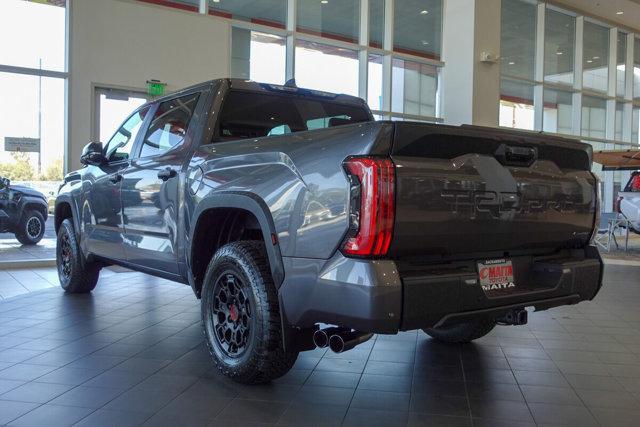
[[120, 145], [169, 125]]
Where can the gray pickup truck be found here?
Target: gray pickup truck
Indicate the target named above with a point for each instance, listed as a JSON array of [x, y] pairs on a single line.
[[301, 222]]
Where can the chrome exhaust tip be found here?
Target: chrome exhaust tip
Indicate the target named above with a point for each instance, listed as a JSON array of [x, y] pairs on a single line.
[[345, 341]]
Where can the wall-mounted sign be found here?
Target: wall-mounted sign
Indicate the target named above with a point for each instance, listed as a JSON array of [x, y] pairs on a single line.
[[25, 145], [155, 87]]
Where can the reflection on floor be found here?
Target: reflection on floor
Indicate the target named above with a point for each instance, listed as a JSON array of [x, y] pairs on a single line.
[[132, 353]]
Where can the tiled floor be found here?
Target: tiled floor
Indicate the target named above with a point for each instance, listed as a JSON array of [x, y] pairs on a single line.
[[132, 353], [14, 282]]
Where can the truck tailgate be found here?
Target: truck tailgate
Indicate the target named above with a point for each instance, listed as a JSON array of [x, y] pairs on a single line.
[[472, 191]]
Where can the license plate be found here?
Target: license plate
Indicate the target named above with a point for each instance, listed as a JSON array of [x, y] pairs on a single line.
[[496, 276]]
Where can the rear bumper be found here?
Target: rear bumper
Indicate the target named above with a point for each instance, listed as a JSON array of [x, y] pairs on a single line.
[[374, 296]]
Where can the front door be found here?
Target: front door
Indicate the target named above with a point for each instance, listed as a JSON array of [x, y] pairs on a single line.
[[151, 187], [102, 211]]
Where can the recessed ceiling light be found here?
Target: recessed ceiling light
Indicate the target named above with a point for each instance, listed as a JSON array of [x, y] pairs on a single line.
[[512, 63], [596, 57], [424, 42], [424, 12], [559, 53], [589, 61], [324, 1], [619, 12]]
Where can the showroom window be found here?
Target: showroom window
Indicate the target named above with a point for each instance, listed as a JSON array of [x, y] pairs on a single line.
[[518, 39], [546, 88], [594, 117], [595, 57], [636, 69], [376, 23], [635, 128], [272, 13], [338, 20], [32, 84], [558, 111], [621, 66], [559, 45], [414, 88], [516, 104], [374, 95], [341, 46], [325, 67], [417, 27], [258, 56]]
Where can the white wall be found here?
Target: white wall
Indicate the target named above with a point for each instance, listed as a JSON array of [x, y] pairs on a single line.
[[123, 43]]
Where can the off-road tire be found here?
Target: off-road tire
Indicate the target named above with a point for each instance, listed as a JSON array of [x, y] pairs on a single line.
[[264, 357], [76, 274], [462, 332], [24, 231]]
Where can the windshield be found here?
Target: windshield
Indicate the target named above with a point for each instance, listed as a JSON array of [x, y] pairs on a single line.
[[254, 115]]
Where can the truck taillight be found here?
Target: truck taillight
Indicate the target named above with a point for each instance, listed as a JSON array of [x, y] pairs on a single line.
[[372, 206]]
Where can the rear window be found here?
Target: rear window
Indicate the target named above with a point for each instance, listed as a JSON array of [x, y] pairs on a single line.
[[634, 184], [254, 115]]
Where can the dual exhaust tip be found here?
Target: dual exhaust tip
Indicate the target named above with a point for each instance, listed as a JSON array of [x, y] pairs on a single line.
[[339, 339]]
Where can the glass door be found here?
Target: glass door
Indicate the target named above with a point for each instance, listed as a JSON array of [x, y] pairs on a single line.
[[112, 107]]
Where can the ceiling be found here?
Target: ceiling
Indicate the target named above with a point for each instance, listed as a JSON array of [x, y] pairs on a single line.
[[607, 10]]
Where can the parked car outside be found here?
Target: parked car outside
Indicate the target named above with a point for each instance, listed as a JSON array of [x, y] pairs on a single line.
[[23, 212]]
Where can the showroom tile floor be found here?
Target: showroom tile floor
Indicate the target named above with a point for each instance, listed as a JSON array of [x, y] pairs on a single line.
[[132, 353]]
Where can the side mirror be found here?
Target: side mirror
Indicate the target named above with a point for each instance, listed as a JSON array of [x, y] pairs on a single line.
[[4, 183], [92, 154]]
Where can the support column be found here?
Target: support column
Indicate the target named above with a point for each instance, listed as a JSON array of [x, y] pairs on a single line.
[[290, 61], [610, 127], [363, 56], [471, 85]]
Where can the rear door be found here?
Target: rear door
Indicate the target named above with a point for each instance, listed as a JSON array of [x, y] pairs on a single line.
[[152, 184]]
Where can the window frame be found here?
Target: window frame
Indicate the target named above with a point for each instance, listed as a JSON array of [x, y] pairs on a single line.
[[143, 127], [187, 140]]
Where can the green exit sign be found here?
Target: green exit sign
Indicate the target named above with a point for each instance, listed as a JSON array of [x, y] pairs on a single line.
[[155, 87]]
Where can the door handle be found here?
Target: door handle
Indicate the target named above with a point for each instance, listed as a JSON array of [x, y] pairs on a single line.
[[167, 173], [115, 178]]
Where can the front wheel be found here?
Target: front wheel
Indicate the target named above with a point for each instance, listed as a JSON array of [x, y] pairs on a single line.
[[241, 315], [77, 275], [462, 332], [31, 228]]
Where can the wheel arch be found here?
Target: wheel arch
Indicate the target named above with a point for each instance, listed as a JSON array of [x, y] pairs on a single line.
[[33, 203], [64, 210], [234, 209]]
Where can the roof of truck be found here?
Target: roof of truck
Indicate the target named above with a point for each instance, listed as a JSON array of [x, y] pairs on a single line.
[[253, 86]]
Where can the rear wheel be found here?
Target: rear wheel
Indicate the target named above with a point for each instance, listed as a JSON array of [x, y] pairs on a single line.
[[31, 228], [241, 315], [462, 332], [77, 275]]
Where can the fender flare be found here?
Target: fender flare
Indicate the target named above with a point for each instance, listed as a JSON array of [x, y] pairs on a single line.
[[33, 200], [251, 203], [75, 219]]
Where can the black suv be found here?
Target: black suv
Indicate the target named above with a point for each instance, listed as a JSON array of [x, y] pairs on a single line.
[[23, 212]]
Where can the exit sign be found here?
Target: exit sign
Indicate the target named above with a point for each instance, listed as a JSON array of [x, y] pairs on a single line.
[[155, 87]]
